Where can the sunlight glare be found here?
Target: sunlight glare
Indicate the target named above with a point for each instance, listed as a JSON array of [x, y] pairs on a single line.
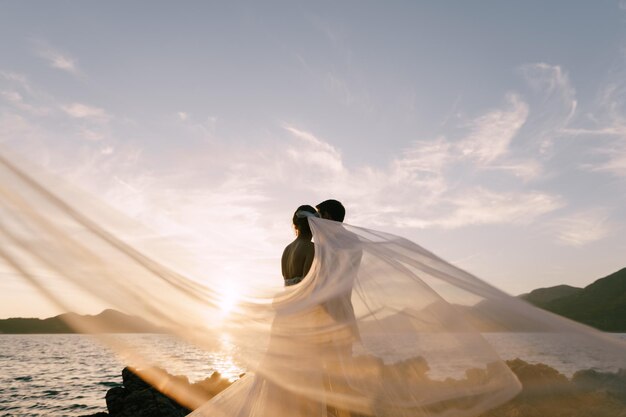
[[229, 296]]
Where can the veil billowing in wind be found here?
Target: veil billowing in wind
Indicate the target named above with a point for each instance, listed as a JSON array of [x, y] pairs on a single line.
[[379, 326]]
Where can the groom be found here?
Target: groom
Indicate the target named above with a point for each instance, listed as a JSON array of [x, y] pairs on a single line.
[[331, 210], [340, 307]]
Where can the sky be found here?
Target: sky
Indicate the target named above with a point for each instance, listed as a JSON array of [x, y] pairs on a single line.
[[491, 133]]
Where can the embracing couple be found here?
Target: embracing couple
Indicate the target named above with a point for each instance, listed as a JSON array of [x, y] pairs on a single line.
[[304, 369], [298, 255]]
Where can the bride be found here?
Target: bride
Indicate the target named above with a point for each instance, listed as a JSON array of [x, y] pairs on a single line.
[[298, 255], [369, 323], [265, 395]]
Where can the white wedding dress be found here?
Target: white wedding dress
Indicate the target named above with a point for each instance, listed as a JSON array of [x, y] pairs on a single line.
[[379, 326]]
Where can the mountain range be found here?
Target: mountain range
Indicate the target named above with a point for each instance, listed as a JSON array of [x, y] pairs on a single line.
[[601, 304], [108, 321]]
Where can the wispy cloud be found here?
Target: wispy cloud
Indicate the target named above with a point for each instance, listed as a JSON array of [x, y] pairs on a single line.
[[57, 59], [204, 129], [84, 111], [615, 163], [316, 151], [526, 170], [491, 134], [582, 227], [16, 90], [341, 79], [549, 78], [24, 102], [339, 87], [554, 105], [91, 135], [552, 80], [425, 157], [605, 116], [13, 126], [16, 99], [487, 145], [478, 205], [605, 131], [415, 189], [12, 96], [419, 169], [19, 79], [346, 93]]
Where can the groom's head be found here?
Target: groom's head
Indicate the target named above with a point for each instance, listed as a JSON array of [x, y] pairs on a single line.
[[331, 210]]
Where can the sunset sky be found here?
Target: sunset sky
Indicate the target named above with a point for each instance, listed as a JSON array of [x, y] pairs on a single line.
[[492, 133]]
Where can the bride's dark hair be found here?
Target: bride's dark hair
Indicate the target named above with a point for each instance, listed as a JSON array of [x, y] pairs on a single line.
[[301, 224]]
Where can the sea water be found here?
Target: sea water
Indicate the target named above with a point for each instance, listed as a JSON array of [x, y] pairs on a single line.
[[69, 375]]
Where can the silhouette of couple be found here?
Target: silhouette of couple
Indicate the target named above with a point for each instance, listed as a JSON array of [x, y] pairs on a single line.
[[298, 255], [296, 262], [314, 329]]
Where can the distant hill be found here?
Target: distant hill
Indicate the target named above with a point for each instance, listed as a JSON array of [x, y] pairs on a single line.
[[544, 296], [601, 305], [109, 321]]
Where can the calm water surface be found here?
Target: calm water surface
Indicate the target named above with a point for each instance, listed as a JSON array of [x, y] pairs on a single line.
[[68, 375]]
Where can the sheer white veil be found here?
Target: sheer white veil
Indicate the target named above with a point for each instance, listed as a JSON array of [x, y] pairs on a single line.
[[379, 326]]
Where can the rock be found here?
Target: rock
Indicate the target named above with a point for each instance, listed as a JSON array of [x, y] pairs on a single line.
[[612, 382], [115, 399], [137, 398], [214, 384], [546, 392], [539, 379], [132, 381]]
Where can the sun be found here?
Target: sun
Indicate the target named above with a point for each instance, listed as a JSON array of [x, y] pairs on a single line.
[[229, 295]]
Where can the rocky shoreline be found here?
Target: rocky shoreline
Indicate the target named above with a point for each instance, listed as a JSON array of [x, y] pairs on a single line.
[[548, 393], [545, 393], [137, 398]]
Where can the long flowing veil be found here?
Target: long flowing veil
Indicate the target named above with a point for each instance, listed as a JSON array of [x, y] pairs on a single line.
[[379, 326]]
